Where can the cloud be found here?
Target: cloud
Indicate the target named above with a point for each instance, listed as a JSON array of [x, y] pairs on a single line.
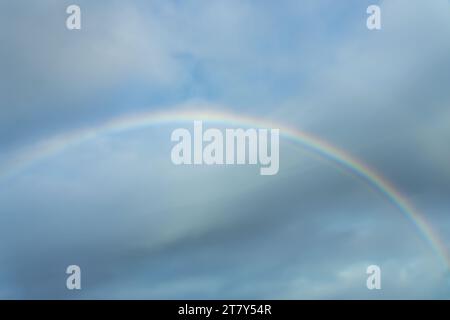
[[141, 228], [118, 208]]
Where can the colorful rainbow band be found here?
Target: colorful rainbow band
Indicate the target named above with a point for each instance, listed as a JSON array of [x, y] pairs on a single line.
[[46, 148]]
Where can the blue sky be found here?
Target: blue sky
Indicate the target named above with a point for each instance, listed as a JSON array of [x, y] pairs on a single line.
[[140, 227]]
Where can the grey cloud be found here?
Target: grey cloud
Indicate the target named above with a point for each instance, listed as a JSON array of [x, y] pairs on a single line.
[[140, 227], [121, 231]]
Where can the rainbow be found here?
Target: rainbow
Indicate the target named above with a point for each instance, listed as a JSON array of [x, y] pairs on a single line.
[[46, 148]]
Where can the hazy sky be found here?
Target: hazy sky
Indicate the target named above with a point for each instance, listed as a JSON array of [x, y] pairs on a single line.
[[140, 227]]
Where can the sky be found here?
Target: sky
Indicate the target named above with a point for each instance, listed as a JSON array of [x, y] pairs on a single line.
[[140, 227]]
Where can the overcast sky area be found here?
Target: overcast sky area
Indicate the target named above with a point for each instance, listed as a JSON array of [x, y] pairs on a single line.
[[142, 228]]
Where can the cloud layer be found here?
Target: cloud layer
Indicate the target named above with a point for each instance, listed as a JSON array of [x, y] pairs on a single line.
[[140, 227]]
